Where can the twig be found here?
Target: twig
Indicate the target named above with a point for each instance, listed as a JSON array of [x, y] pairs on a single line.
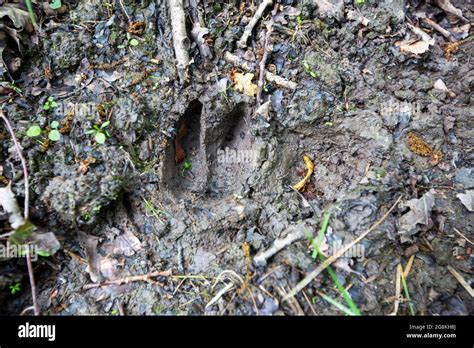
[[462, 235], [181, 41], [437, 27], [198, 32], [302, 284], [26, 208], [461, 281], [263, 61], [262, 64], [398, 289], [278, 244], [32, 283], [125, 11], [242, 43], [129, 279]]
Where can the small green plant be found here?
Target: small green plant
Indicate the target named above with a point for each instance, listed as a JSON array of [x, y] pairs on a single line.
[[53, 134], [50, 104], [299, 20], [186, 166], [352, 309], [87, 216], [100, 133], [130, 42], [309, 70], [360, 2], [15, 288], [55, 4]]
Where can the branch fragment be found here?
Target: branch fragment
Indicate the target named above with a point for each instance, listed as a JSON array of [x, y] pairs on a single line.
[[242, 43], [181, 41]]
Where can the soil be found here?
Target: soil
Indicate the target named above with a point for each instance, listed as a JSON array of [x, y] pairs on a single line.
[[167, 190]]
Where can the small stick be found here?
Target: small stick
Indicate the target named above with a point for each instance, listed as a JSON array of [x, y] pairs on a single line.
[[196, 33], [278, 244], [23, 163], [32, 283], [398, 290], [437, 27], [263, 61], [181, 41], [462, 235], [125, 11], [26, 209], [129, 279], [242, 43], [309, 278], [262, 64], [461, 281]]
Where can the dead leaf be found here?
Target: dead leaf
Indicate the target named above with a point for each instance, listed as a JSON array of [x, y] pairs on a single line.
[[419, 214], [243, 83], [466, 198], [416, 46], [13, 21]]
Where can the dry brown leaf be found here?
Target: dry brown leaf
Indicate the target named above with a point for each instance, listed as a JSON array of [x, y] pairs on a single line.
[[243, 83], [416, 47]]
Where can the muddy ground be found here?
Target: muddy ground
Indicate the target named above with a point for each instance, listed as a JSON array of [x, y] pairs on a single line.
[[161, 194]]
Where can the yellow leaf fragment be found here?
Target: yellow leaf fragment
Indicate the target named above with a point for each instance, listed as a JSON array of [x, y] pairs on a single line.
[[310, 168], [243, 83]]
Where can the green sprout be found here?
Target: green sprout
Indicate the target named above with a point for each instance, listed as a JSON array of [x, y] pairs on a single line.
[[309, 70], [35, 131], [130, 42], [15, 288], [54, 134], [360, 2], [100, 133], [186, 166], [50, 104]]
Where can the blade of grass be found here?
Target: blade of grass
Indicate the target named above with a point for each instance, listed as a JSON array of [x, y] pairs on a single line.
[[407, 294], [336, 304], [322, 232], [347, 297], [332, 274], [29, 7]]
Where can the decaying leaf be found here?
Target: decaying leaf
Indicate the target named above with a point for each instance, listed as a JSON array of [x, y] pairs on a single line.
[[309, 171], [467, 198], [419, 215], [14, 20], [243, 83], [416, 46]]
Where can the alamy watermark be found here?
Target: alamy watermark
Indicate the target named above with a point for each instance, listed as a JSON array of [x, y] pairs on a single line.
[[394, 106], [9, 251], [357, 251], [236, 156]]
